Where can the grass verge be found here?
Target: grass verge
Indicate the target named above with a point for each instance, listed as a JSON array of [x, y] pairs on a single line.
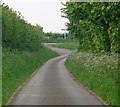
[[97, 72], [18, 66]]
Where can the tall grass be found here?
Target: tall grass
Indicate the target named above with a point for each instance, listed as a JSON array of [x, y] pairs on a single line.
[[18, 66], [97, 72]]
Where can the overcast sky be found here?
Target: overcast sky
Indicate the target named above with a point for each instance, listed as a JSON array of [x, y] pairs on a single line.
[[43, 12]]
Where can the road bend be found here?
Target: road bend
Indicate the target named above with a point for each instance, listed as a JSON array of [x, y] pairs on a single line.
[[53, 85]]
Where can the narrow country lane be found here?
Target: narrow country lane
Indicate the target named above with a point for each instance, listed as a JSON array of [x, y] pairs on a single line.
[[53, 85]]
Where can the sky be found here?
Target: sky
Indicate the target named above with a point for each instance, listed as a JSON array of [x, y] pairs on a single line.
[[43, 12]]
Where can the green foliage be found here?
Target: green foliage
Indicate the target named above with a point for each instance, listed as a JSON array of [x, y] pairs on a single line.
[[97, 72], [18, 33], [95, 24], [19, 65], [54, 37], [59, 37]]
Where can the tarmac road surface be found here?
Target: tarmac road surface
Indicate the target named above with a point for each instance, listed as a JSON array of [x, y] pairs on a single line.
[[53, 85]]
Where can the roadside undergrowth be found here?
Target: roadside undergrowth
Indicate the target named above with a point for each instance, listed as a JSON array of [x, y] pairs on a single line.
[[97, 72]]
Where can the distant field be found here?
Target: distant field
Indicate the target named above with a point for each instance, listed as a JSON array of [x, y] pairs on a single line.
[[19, 65], [97, 72], [67, 45]]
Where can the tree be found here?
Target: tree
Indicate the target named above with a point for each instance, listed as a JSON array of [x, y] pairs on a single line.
[[95, 24], [18, 33]]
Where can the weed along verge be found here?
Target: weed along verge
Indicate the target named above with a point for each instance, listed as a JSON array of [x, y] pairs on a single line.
[[97, 72]]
